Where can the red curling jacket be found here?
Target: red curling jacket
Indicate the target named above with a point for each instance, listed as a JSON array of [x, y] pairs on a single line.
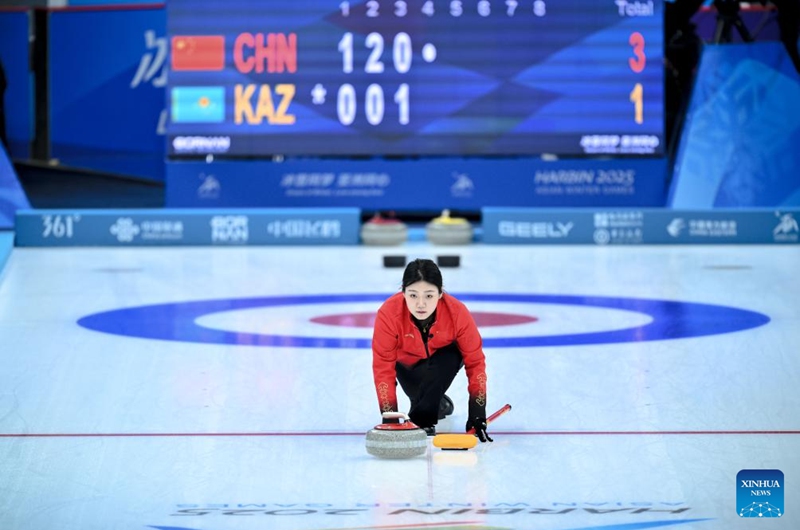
[[397, 339]]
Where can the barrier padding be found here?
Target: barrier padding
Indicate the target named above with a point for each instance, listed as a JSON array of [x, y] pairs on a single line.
[[640, 226], [180, 227]]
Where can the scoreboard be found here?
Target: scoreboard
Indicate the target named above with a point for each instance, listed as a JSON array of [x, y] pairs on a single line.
[[259, 78]]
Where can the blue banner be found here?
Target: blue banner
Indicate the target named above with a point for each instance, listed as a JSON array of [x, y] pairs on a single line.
[[408, 184], [320, 226], [15, 56], [74, 3], [739, 146], [12, 197], [107, 90], [640, 226]]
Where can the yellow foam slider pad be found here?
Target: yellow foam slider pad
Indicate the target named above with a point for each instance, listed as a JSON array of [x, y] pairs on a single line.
[[465, 441], [455, 441]]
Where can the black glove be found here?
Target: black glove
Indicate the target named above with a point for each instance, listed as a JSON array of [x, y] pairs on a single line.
[[477, 421], [479, 424]]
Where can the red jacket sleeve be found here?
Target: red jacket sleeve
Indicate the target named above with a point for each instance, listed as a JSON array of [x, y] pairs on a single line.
[[385, 341], [471, 346]]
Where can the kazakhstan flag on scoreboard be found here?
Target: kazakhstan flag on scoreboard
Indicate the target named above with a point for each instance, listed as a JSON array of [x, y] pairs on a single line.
[[198, 104]]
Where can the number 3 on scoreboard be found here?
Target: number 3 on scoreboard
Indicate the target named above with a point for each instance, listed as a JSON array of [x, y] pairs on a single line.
[[637, 42]]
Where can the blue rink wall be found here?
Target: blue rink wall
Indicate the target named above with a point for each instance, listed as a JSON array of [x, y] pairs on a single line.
[[321, 226], [12, 196], [341, 226], [640, 226]]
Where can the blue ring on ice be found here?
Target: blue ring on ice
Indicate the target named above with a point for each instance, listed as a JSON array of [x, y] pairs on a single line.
[[177, 321]]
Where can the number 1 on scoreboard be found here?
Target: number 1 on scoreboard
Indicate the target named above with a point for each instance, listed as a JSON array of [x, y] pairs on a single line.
[[638, 105]]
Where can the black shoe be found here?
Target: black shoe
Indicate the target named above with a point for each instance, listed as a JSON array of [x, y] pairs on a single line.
[[430, 431], [446, 407]]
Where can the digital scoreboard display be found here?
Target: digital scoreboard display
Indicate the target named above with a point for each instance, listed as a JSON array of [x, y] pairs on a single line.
[[253, 78]]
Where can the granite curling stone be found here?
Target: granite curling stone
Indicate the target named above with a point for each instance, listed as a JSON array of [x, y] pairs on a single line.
[[380, 231], [446, 230], [396, 440]]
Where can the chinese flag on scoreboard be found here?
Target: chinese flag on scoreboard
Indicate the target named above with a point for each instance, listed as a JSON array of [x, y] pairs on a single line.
[[194, 52]]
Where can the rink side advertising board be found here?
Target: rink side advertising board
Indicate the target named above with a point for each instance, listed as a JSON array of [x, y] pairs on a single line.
[[333, 226], [341, 226], [640, 226]]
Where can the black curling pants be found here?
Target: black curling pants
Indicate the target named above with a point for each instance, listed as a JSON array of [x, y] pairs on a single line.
[[426, 382]]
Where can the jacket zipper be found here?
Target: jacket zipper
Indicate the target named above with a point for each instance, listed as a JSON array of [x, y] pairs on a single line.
[[425, 340]]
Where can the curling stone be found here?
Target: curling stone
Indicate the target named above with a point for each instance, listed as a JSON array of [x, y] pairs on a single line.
[[446, 230], [381, 231], [396, 440]]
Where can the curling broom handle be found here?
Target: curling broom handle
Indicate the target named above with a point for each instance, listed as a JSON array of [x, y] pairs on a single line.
[[494, 416]]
